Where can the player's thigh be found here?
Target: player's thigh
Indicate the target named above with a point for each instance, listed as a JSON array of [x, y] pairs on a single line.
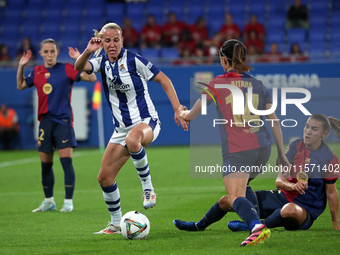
[[66, 152], [236, 184], [46, 157], [46, 142], [269, 201], [64, 136], [115, 156], [145, 132]]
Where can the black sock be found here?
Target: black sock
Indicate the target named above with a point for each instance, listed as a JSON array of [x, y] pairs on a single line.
[[69, 177], [214, 214], [47, 176], [247, 212], [275, 220], [250, 195]]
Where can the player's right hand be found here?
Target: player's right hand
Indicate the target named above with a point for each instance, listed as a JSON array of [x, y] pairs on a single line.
[[25, 58], [184, 113], [94, 44], [301, 186]]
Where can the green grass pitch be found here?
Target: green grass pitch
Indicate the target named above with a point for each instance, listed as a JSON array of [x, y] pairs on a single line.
[[179, 197]]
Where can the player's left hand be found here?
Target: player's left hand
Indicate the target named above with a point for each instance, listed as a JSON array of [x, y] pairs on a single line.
[[73, 52], [179, 120]]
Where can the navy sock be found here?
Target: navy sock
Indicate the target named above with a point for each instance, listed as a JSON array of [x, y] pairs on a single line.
[[69, 177], [247, 212], [275, 220], [250, 195], [47, 176], [214, 214]]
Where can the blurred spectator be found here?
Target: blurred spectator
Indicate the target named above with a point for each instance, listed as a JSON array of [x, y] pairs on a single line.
[[187, 42], [172, 30], [151, 33], [199, 31], [4, 53], [274, 55], [252, 54], [296, 53], [200, 58], [213, 46], [130, 34], [297, 16], [26, 45], [230, 30], [185, 58], [9, 126], [253, 25], [254, 40]]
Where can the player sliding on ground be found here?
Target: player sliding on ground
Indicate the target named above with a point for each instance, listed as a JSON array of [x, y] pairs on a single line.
[[301, 196]]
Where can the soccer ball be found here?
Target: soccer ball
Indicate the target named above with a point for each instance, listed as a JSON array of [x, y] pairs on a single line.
[[134, 225]]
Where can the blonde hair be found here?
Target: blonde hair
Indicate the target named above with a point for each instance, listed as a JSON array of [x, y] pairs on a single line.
[[101, 33]]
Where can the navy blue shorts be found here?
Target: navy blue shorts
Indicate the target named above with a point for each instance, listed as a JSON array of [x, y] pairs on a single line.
[[250, 161], [271, 200], [54, 135]]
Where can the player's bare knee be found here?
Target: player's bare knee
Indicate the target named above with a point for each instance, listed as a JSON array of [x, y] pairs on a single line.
[[132, 144], [289, 211]]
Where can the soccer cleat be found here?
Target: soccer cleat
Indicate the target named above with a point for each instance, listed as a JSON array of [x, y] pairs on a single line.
[[257, 236], [67, 207], [110, 229], [187, 226], [45, 206], [149, 198], [236, 225]]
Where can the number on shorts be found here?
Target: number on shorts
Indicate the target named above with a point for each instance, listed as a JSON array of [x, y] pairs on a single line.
[[41, 136]]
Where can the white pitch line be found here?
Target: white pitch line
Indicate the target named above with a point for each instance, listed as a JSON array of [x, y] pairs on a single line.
[[37, 159]]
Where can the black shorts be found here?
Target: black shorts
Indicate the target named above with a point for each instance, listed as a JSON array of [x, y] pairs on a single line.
[[271, 200], [250, 161], [54, 135]]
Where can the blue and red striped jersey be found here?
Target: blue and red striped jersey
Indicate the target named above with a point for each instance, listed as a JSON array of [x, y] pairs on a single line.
[[321, 166], [54, 87], [240, 136]]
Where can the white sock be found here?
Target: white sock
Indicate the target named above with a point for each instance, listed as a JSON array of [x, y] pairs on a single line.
[[256, 226], [49, 199], [112, 199], [68, 201], [140, 160]]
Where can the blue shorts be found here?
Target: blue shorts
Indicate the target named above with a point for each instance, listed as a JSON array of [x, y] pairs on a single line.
[[271, 200], [54, 135], [250, 161]]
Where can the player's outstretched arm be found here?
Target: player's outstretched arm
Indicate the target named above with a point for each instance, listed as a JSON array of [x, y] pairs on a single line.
[[82, 63], [21, 83], [190, 115], [171, 93], [74, 54], [333, 202]]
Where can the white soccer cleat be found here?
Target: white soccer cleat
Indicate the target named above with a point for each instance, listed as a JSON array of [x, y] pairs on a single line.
[[67, 207], [110, 229], [46, 206], [149, 198]]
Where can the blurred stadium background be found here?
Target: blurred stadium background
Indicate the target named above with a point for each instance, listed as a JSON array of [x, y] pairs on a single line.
[[71, 23]]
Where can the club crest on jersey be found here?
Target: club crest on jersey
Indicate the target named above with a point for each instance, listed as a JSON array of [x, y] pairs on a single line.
[[47, 75], [307, 160], [122, 68], [47, 88]]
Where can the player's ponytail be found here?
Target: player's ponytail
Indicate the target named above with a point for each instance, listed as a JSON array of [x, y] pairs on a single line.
[[235, 52], [101, 33], [331, 124]]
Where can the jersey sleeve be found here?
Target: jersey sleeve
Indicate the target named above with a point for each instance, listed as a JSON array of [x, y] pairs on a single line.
[[333, 172], [96, 62], [30, 79], [291, 151], [71, 73], [146, 69]]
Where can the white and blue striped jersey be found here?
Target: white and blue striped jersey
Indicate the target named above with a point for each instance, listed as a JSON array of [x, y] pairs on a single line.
[[125, 86]]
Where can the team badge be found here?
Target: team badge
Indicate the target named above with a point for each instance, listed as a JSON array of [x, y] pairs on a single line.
[[302, 176], [47, 88], [47, 75], [307, 160], [122, 68], [39, 143]]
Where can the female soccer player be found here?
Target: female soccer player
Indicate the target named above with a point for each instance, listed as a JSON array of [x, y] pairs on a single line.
[[125, 75], [243, 144], [54, 82], [297, 202]]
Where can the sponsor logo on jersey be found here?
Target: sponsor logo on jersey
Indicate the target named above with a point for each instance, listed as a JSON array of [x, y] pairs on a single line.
[[114, 85], [47, 88]]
